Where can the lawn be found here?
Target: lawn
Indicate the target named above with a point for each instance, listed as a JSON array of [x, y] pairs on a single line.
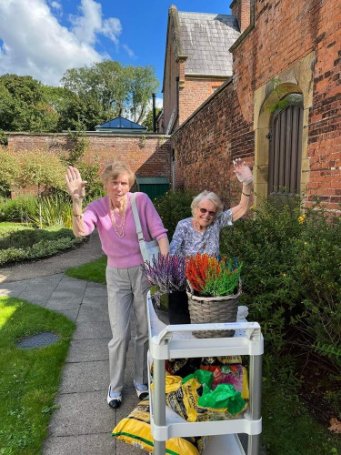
[[29, 378], [93, 271]]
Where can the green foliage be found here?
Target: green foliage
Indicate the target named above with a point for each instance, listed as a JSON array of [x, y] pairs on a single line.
[[291, 275], [78, 144], [35, 373], [27, 243], [148, 120], [9, 170], [91, 174], [21, 209], [288, 429], [41, 169], [53, 210], [172, 207], [23, 106], [3, 138], [113, 88]]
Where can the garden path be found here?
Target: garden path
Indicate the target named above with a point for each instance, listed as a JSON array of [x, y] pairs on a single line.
[[83, 422]]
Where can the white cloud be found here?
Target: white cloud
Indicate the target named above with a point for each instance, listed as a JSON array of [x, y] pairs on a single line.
[[35, 43], [90, 22], [56, 5], [129, 51]]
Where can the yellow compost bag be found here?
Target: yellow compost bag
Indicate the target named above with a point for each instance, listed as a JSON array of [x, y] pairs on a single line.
[[184, 400], [135, 430]]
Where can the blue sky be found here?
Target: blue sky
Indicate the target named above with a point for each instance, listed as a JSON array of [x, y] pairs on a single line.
[[43, 38]]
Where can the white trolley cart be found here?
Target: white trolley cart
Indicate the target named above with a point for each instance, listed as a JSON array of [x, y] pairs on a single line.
[[175, 342]]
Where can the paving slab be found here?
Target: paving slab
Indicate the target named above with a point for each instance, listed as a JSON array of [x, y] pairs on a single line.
[[90, 330], [85, 444], [82, 413], [85, 377], [88, 350], [89, 313]]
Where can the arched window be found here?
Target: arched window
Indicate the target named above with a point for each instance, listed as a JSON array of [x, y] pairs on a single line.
[[285, 149]]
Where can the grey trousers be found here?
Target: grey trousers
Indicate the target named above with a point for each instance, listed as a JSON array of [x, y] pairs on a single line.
[[127, 290]]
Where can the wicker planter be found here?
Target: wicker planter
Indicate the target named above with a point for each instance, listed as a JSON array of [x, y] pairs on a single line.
[[205, 310]]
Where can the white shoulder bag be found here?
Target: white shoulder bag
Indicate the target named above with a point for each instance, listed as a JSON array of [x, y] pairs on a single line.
[[151, 249]]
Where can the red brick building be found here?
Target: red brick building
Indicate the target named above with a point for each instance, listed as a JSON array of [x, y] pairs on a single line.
[[281, 111], [196, 62]]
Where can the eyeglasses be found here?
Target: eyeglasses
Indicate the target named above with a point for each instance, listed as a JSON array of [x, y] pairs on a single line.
[[203, 211]]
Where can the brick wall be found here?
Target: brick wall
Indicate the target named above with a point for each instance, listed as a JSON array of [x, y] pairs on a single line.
[[193, 92], [147, 155], [285, 31], [205, 145]]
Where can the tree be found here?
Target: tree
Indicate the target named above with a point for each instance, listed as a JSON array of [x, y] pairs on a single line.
[[24, 105], [116, 89], [148, 120]]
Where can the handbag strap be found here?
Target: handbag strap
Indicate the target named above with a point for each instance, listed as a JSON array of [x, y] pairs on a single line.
[[136, 218]]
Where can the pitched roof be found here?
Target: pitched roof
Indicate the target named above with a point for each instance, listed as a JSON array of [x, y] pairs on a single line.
[[120, 123], [205, 40]]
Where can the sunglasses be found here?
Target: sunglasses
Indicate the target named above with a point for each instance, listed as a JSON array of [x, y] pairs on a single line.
[[203, 211]]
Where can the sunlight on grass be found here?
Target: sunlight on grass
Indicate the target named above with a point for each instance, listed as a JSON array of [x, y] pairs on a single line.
[[92, 271], [29, 378], [5, 313]]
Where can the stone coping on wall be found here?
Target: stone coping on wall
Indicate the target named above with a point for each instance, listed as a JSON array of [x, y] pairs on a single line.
[[92, 133]]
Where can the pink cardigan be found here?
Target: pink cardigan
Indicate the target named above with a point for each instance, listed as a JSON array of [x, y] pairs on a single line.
[[123, 252]]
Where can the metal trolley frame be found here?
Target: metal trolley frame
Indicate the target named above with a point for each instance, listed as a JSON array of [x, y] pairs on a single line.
[[175, 342]]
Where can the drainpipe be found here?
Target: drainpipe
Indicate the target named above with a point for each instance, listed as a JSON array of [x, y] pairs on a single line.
[[154, 114]]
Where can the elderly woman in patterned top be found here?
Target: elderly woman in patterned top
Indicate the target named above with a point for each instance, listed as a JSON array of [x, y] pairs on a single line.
[[201, 232]]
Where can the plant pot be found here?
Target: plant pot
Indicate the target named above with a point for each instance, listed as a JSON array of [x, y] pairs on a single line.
[[205, 310], [178, 308]]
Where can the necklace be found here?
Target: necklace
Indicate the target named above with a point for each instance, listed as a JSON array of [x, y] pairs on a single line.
[[119, 225]]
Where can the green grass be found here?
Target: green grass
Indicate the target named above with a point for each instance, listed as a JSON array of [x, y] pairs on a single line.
[[92, 271], [288, 429], [29, 377]]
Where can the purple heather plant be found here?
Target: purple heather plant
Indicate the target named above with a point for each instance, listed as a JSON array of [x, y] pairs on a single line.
[[167, 273]]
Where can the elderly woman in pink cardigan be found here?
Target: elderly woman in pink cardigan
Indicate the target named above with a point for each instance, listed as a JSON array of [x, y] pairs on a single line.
[[126, 283]]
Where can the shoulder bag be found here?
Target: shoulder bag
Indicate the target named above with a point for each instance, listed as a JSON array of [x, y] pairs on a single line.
[[151, 249]]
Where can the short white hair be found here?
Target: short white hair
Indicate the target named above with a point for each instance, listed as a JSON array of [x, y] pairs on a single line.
[[210, 196]]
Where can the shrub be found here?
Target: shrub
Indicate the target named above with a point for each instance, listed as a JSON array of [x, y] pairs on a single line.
[[318, 266], [291, 275], [91, 174], [28, 243], [264, 245], [172, 207], [42, 169], [9, 170], [21, 209]]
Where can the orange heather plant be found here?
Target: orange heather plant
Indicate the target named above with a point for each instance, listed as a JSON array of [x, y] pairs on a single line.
[[199, 268], [212, 277]]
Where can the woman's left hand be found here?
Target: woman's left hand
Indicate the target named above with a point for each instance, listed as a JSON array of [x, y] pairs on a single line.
[[242, 171]]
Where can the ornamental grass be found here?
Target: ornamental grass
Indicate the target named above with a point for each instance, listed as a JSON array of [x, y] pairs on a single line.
[[211, 277]]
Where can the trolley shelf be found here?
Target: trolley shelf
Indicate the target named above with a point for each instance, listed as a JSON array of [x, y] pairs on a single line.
[[177, 341]]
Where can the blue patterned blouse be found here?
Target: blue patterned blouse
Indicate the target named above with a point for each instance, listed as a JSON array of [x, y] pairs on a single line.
[[187, 241]]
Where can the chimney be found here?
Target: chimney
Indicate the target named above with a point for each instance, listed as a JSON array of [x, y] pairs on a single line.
[[241, 9]]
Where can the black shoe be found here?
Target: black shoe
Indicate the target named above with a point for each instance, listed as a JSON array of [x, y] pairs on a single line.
[[142, 395], [113, 402]]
